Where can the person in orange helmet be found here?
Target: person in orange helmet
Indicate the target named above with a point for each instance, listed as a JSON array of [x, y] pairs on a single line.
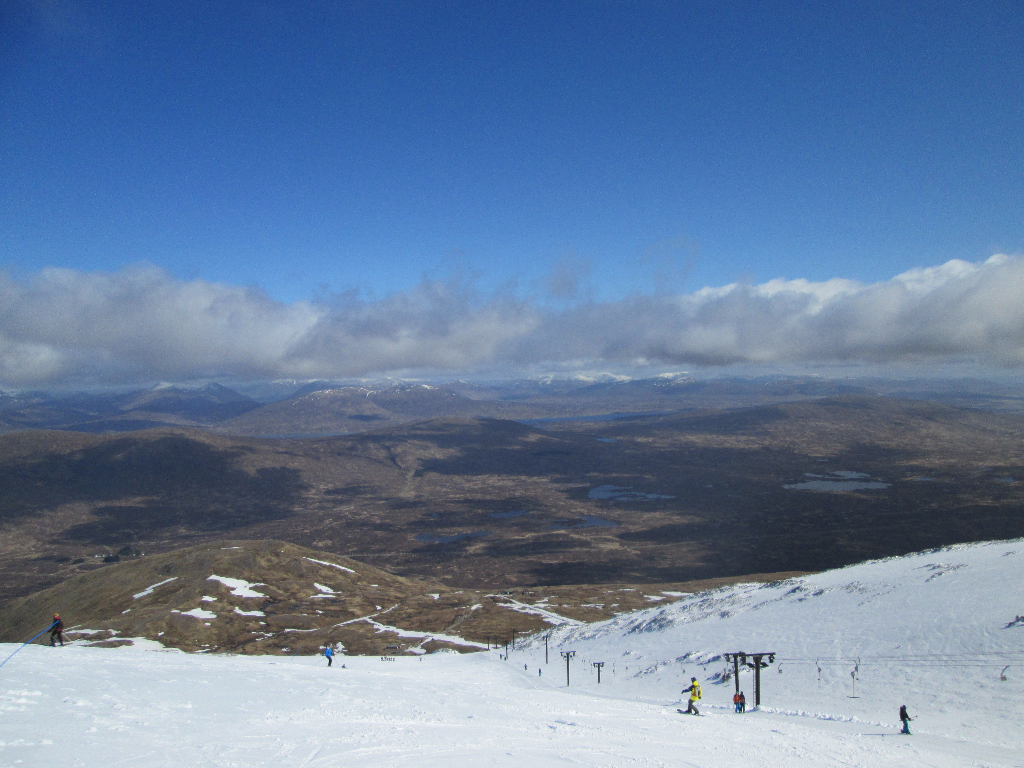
[[57, 630]]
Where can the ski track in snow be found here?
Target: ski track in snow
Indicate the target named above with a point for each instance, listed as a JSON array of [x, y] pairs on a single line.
[[82, 706]]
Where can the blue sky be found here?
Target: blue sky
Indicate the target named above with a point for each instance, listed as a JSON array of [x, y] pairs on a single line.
[[548, 152]]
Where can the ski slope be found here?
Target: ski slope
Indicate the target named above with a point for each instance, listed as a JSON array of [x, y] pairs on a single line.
[[932, 630]]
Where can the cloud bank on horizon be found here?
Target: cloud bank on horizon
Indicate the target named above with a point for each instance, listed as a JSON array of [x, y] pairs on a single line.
[[63, 327]]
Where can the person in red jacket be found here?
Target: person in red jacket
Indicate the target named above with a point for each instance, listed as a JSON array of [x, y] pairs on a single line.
[[57, 630]]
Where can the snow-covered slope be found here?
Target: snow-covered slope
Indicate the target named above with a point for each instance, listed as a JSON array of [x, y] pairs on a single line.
[[931, 630]]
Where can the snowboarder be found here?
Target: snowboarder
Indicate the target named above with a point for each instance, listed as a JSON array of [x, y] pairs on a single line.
[[57, 630], [694, 691], [905, 718], [743, 702], [329, 654]]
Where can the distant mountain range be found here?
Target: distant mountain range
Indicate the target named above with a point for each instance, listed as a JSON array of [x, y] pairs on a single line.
[[323, 408], [123, 411]]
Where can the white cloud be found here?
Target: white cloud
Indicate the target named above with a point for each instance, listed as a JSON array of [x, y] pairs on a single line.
[[67, 327], [142, 324]]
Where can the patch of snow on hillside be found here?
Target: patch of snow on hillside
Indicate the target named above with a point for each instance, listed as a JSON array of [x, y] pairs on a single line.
[[549, 616], [332, 565], [423, 637], [238, 587], [199, 613], [149, 590]]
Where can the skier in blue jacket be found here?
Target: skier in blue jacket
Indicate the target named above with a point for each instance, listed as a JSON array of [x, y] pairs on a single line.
[[329, 654]]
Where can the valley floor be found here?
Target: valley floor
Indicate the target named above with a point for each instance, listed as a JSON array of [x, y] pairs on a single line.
[[143, 706]]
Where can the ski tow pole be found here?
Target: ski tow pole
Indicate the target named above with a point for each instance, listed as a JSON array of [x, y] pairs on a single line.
[[26, 643]]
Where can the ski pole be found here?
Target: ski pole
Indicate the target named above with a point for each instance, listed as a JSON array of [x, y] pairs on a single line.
[[26, 643]]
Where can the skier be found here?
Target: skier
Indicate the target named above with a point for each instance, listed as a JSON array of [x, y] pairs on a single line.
[[743, 702], [736, 701], [694, 691], [329, 654], [57, 631], [905, 718]]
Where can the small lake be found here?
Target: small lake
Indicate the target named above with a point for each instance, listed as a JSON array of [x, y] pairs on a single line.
[[836, 485], [439, 539], [589, 521], [507, 515], [602, 417], [843, 474], [840, 480], [620, 493]]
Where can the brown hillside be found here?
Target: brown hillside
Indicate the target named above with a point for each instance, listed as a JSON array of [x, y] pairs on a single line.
[[274, 597]]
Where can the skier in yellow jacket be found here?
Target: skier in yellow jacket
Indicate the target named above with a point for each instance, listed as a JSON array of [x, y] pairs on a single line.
[[694, 691]]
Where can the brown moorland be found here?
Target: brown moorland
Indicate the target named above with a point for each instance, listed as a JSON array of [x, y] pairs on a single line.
[[492, 504]]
